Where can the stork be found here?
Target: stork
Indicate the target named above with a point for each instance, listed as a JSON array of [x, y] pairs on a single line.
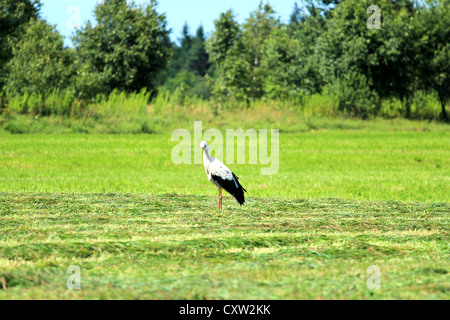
[[220, 175]]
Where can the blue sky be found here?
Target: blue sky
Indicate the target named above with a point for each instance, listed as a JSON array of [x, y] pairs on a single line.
[[66, 13]]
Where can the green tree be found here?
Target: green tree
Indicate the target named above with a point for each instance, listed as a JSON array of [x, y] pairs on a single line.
[[190, 56], [127, 49], [40, 62], [225, 48], [186, 39], [14, 16], [296, 16], [256, 32], [434, 64], [386, 57], [227, 34], [238, 53], [282, 59], [178, 60], [186, 70], [289, 55], [198, 57]]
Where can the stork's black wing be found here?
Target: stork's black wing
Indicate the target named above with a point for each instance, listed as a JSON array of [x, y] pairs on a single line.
[[232, 186]]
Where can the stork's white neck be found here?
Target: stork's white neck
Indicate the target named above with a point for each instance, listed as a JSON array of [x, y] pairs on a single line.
[[206, 156]]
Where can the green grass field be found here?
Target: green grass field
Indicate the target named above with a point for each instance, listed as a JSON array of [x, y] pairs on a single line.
[[140, 227]]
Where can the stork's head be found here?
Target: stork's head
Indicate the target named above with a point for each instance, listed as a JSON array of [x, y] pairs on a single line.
[[204, 145]]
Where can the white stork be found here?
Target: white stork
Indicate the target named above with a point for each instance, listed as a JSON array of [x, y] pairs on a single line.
[[221, 176]]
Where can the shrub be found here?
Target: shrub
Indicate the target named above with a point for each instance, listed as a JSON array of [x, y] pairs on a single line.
[[354, 96], [59, 102], [40, 62], [18, 104], [120, 103]]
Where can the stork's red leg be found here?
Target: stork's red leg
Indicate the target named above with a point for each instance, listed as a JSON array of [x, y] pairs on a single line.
[[220, 198]]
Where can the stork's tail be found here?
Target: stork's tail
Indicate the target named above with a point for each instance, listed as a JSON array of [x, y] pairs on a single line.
[[238, 193]]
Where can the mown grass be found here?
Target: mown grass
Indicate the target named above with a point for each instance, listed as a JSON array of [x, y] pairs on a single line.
[[179, 247]]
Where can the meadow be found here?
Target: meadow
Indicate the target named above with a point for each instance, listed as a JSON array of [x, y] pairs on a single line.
[[348, 164], [357, 194]]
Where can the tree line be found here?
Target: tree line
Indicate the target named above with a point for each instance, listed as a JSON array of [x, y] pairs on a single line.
[[326, 47]]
